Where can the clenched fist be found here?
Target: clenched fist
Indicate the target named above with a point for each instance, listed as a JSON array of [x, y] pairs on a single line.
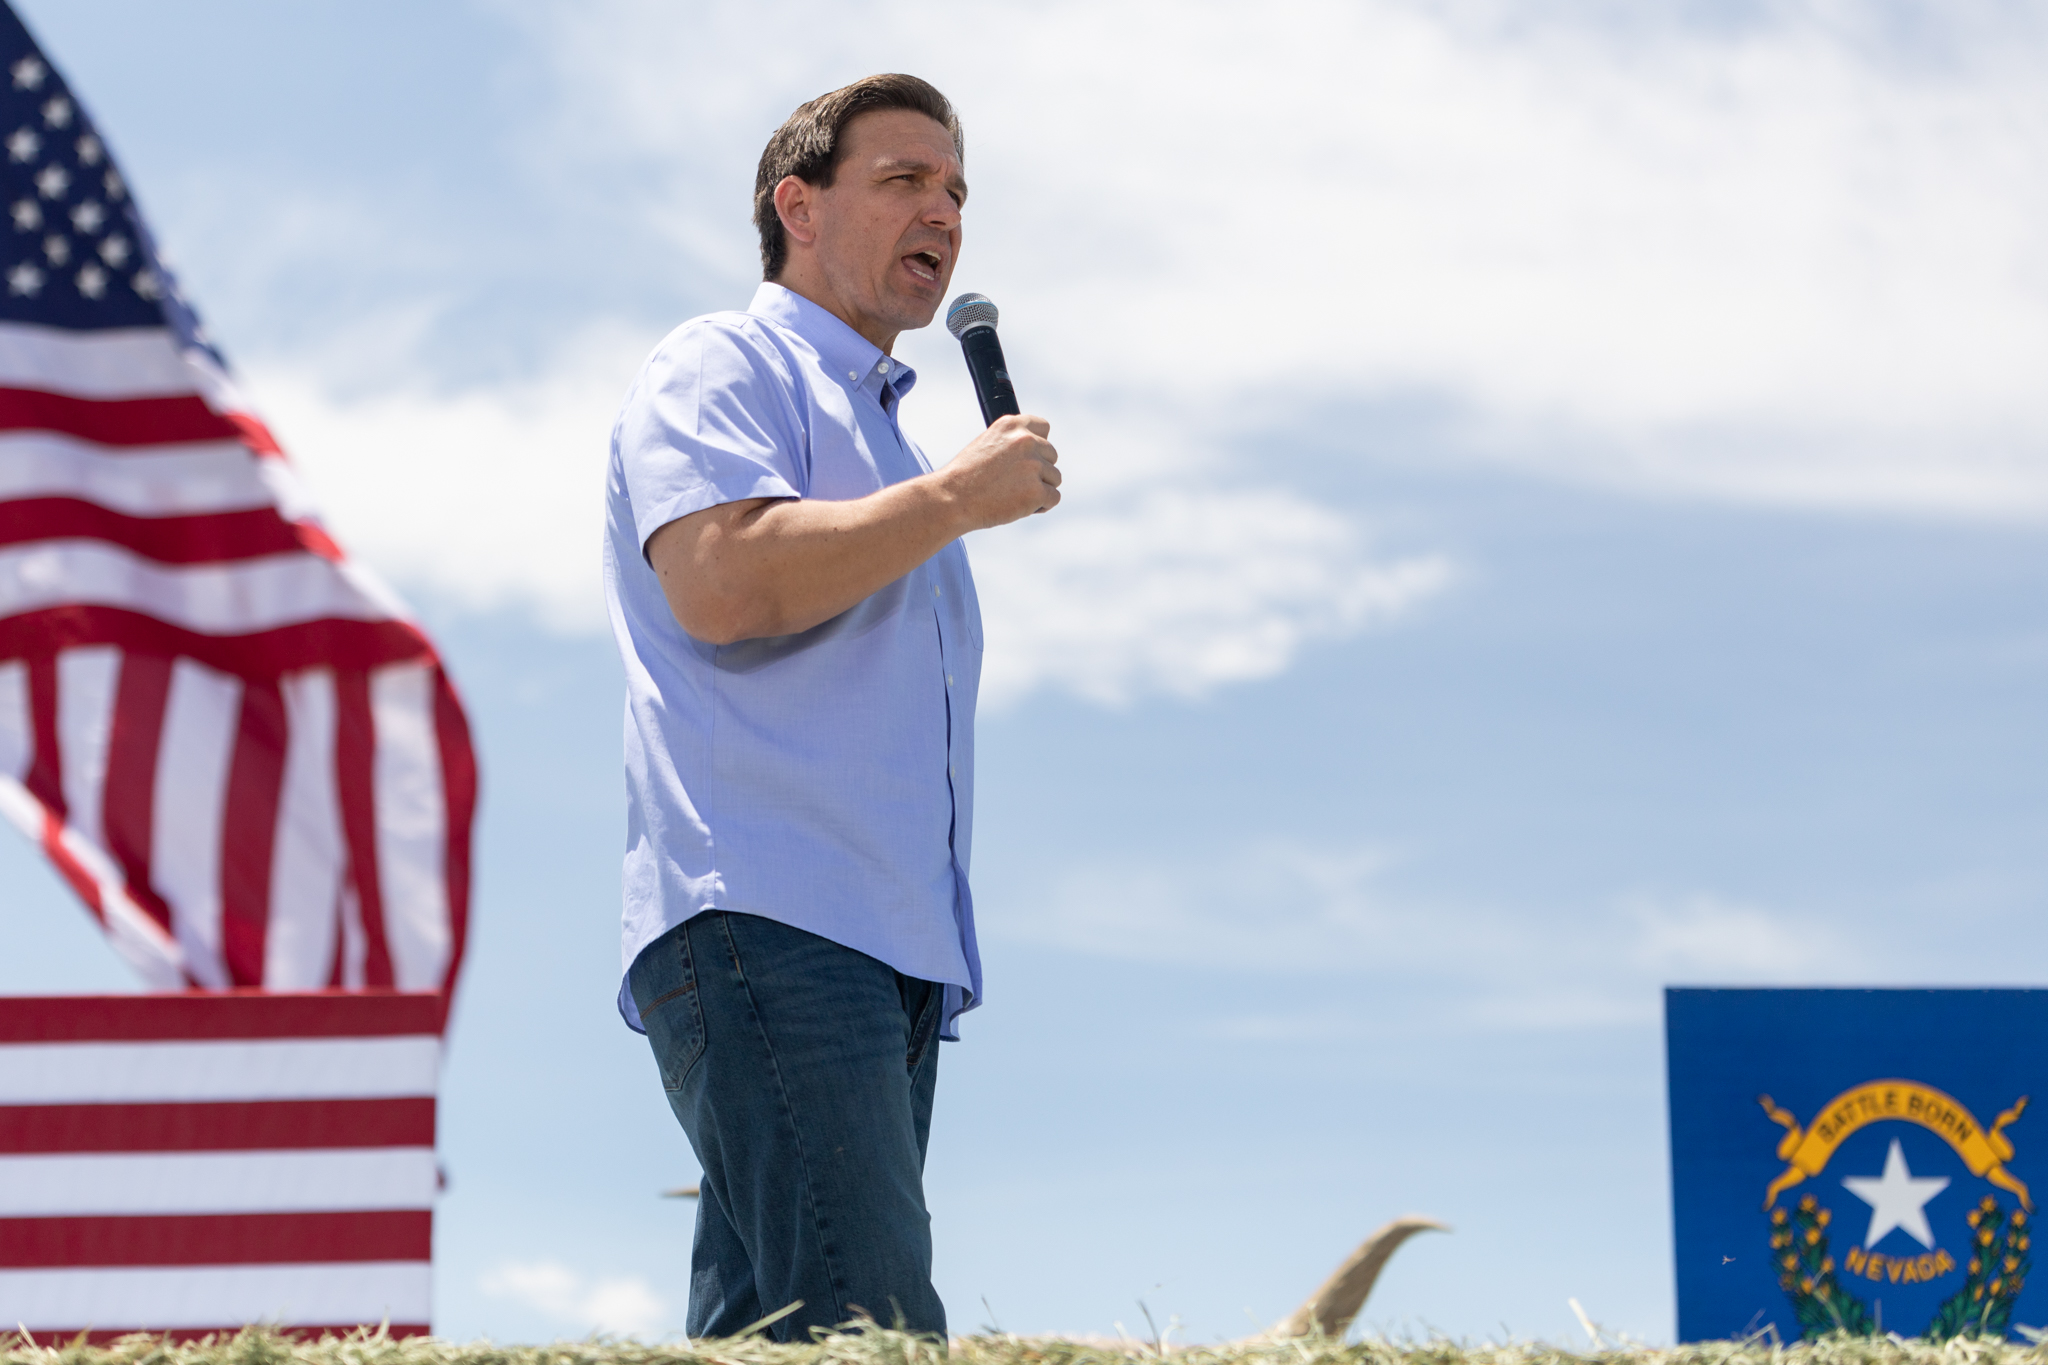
[[1007, 472]]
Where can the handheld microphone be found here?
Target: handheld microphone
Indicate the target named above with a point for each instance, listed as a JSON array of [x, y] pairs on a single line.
[[971, 319]]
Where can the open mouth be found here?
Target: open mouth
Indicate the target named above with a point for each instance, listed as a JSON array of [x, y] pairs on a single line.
[[924, 265]]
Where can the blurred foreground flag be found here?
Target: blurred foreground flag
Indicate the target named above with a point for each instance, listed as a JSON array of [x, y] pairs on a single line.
[[228, 737], [196, 1162]]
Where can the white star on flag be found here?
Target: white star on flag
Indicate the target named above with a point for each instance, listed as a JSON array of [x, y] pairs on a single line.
[[1897, 1199]]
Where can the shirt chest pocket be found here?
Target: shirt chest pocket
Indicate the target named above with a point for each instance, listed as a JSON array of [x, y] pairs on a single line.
[[843, 461]]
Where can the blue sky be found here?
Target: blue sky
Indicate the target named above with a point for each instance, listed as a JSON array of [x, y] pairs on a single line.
[[1556, 511]]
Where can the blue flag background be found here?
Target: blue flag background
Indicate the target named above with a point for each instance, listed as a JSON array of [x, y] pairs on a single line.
[[1845, 1111]]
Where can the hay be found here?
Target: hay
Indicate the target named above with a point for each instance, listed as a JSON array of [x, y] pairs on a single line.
[[256, 1346]]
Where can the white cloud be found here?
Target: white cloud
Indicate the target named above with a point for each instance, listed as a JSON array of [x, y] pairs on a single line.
[[1704, 937], [1178, 591], [1316, 914], [627, 1305], [492, 495], [1316, 910]]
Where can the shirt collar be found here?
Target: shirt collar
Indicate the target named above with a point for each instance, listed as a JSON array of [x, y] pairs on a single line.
[[846, 354]]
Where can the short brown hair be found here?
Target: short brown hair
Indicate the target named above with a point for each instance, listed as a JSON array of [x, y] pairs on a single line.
[[807, 146]]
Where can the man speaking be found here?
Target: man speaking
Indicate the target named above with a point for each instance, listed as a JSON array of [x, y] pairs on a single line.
[[802, 647]]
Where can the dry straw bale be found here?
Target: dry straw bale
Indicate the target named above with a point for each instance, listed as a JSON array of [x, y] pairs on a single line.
[[875, 1347]]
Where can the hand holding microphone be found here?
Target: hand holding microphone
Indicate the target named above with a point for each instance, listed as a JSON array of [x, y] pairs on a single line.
[[1010, 470]]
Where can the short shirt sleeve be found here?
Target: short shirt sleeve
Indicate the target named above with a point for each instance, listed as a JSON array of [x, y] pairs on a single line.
[[712, 419]]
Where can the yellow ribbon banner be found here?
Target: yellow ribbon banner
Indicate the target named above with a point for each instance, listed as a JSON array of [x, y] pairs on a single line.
[[1806, 1150]]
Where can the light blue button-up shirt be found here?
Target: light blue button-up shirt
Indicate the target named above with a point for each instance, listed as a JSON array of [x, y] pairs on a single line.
[[824, 779]]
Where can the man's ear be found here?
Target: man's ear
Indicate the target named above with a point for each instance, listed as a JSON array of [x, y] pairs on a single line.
[[796, 203]]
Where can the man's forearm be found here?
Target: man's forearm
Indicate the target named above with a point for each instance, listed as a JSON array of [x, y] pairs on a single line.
[[777, 567]]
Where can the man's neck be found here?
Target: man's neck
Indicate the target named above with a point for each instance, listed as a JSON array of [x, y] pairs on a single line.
[[811, 284]]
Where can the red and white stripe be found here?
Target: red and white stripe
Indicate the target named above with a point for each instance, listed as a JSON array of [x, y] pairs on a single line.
[[194, 1162], [228, 737]]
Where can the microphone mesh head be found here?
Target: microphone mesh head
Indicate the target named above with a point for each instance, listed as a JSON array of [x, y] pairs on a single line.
[[969, 310]]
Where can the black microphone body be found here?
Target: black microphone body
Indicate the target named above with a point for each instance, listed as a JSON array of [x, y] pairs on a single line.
[[972, 319], [984, 352]]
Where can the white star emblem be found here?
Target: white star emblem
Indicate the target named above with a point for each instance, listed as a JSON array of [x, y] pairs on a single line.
[[57, 249], [28, 73], [147, 285], [24, 279], [114, 251], [57, 112], [23, 144], [27, 214], [1897, 1199], [88, 217], [112, 180], [90, 150], [92, 282], [53, 181]]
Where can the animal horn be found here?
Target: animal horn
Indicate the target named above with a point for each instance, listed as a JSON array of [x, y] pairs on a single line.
[[1332, 1307]]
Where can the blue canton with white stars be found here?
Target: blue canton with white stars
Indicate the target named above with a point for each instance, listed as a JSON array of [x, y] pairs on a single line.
[[74, 252]]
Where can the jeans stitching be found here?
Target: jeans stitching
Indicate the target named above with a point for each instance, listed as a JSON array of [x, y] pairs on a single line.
[[796, 1131], [924, 1026], [661, 1000]]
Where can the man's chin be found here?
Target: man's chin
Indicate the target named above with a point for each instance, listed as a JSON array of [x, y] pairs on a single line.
[[916, 314], [908, 312]]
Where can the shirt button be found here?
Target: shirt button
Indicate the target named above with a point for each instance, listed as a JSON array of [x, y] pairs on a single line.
[[936, 592], [949, 680], [883, 367], [853, 375]]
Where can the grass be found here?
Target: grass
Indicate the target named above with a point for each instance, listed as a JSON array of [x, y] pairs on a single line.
[[256, 1346]]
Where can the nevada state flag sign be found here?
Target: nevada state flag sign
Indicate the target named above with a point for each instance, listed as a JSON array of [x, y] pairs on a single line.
[[1859, 1161]]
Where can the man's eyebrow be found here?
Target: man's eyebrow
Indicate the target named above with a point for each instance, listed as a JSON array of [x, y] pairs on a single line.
[[896, 164]]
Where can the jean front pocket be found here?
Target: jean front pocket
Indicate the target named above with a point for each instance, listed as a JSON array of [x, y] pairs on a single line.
[[924, 1023], [665, 987]]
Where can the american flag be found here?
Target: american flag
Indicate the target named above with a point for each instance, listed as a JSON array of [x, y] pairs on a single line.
[[227, 736], [192, 1163]]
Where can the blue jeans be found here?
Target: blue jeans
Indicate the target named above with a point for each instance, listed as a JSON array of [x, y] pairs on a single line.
[[803, 1073]]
